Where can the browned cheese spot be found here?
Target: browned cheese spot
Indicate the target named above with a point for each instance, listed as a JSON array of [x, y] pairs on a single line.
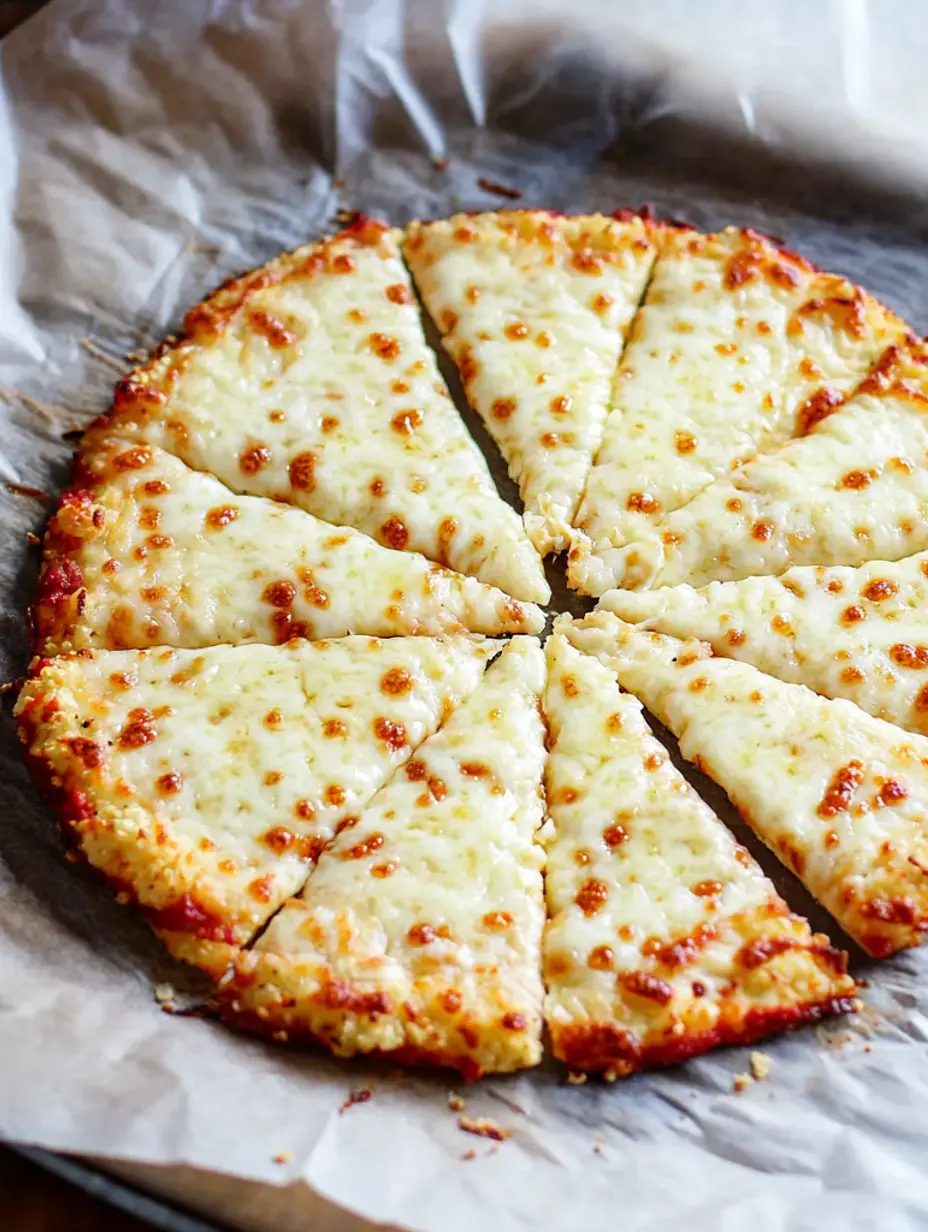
[[254, 459]]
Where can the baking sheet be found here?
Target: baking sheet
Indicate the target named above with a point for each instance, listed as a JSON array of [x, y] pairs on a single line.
[[150, 148]]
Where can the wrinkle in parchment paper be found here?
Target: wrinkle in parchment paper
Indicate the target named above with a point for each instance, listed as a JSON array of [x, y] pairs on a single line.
[[151, 148]]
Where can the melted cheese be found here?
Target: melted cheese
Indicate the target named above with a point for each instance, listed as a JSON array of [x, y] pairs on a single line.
[[739, 347], [665, 937], [310, 381], [839, 796], [157, 554], [847, 632], [419, 931], [204, 783], [534, 309], [855, 489]]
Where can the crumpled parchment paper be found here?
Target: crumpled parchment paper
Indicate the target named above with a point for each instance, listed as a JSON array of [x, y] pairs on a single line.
[[150, 148]]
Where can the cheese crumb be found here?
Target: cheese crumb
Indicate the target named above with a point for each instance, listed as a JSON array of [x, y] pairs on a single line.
[[576, 1079], [163, 993], [283, 1157], [741, 1083], [760, 1065], [455, 1103]]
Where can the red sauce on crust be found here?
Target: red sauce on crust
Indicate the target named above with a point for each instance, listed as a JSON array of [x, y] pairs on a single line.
[[186, 915]]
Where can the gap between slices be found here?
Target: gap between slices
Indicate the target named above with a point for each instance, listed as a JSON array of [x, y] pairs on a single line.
[[418, 933], [854, 489], [145, 551], [664, 937], [309, 381], [534, 308], [205, 783], [853, 632], [739, 347], [839, 796]]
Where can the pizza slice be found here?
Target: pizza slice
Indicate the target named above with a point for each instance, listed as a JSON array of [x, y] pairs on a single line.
[[419, 932], [665, 937], [855, 632], [855, 489], [534, 308], [204, 783], [840, 796], [148, 552], [739, 347], [310, 381]]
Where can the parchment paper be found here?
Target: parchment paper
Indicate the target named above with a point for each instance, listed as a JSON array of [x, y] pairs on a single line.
[[148, 149]]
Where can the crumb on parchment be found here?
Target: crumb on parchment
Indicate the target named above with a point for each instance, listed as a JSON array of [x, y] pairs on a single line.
[[455, 1102], [760, 1066], [283, 1157], [575, 1078], [483, 1127], [361, 1096], [741, 1083]]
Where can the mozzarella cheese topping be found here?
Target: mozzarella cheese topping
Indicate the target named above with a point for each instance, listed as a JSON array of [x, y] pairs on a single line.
[[665, 937], [154, 553], [841, 797], [847, 632], [310, 381], [855, 489], [534, 309], [204, 783], [419, 931], [739, 346]]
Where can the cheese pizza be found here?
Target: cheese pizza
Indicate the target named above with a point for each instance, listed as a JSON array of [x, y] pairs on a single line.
[[145, 551], [665, 938], [534, 308], [204, 783], [855, 489], [858, 633], [419, 931], [309, 381], [840, 796], [739, 346]]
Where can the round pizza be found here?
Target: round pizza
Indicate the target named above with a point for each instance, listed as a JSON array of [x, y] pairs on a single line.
[[291, 695]]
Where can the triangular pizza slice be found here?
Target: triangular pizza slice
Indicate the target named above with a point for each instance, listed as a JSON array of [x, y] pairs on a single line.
[[145, 551], [310, 381], [858, 633], [204, 783], [419, 932], [534, 308], [840, 796], [854, 489], [665, 937]]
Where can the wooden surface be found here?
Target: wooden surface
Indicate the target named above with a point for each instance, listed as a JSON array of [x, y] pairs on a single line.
[[33, 1201]]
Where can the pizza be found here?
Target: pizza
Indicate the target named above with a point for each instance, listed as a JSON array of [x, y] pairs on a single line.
[[418, 933], [854, 489], [840, 796], [144, 551], [665, 938], [204, 783], [739, 346], [534, 309], [309, 381], [848, 631], [263, 702]]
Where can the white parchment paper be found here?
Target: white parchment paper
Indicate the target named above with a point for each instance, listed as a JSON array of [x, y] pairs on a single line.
[[150, 148]]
